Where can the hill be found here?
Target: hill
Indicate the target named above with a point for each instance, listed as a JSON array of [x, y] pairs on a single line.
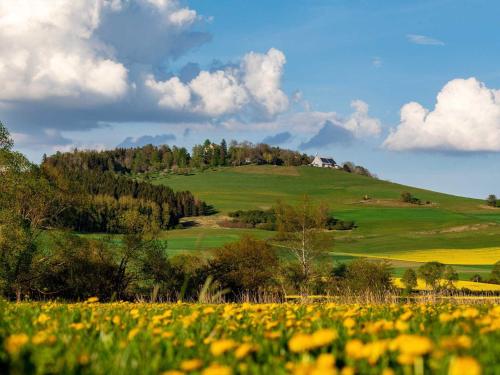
[[450, 229]]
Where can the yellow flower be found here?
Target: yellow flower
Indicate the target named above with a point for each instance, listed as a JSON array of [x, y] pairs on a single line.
[[14, 343], [325, 361], [354, 349], [191, 364], [116, 320], [216, 369], [42, 318], [388, 371], [412, 345], [300, 342], [78, 326], [220, 347], [244, 349], [348, 371], [93, 300], [172, 372], [464, 366], [349, 323], [133, 332], [324, 337]]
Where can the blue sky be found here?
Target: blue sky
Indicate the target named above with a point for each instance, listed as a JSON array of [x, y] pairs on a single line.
[[355, 80]]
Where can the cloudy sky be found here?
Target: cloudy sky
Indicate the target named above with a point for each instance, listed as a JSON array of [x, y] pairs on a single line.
[[409, 89]]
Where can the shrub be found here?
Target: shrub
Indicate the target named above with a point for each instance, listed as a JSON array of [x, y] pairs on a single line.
[[407, 197], [364, 276], [431, 272], [409, 279], [249, 265]]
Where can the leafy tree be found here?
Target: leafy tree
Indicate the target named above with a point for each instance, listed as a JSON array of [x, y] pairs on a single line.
[[431, 273], [368, 276], [495, 273], [491, 200], [476, 278], [249, 265], [301, 232], [409, 279], [450, 275], [6, 142]]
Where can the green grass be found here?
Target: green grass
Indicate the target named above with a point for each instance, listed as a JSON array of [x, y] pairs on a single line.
[[385, 225]]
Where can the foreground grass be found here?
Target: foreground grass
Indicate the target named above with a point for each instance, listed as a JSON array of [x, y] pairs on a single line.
[[183, 338]]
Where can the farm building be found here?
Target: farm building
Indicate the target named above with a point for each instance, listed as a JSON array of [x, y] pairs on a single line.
[[323, 162]]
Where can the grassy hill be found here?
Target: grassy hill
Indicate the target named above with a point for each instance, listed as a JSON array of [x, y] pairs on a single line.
[[450, 229]]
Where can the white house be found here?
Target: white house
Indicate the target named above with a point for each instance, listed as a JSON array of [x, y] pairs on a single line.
[[324, 162]]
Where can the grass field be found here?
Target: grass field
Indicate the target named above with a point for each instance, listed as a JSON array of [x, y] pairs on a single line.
[[450, 229], [176, 339]]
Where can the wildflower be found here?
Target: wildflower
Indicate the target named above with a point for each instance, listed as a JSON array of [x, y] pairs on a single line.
[[43, 318], [92, 300], [216, 369], [349, 323], [354, 349], [77, 326], [172, 372], [323, 337], [191, 364], [116, 320], [348, 371], [14, 343], [464, 366], [83, 359], [133, 332], [244, 349], [300, 342], [220, 347], [325, 361], [412, 345]]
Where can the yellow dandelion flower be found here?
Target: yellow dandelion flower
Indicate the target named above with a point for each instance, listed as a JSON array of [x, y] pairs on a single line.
[[92, 300], [133, 332], [324, 337], [14, 343], [354, 349], [116, 320], [388, 371], [348, 371], [216, 369], [172, 372], [221, 346], [325, 360], [464, 366], [244, 349], [43, 318], [77, 326], [349, 323], [300, 342], [191, 364]]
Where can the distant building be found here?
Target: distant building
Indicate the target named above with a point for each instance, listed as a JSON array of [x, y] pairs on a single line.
[[324, 162]]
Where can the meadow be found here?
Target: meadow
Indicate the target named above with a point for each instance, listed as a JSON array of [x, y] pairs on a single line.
[[175, 339], [450, 229]]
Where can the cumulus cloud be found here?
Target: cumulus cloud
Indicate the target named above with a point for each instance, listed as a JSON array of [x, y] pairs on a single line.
[[277, 139], [156, 140], [360, 123], [466, 118], [47, 50], [255, 82], [424, 40]]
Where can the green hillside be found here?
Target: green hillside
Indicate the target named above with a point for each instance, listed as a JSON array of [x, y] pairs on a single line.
[[447, 229]]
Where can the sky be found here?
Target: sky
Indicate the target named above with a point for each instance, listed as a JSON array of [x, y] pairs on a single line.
[[408, 89]]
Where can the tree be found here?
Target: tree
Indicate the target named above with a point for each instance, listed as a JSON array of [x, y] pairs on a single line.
[[223, 152], [450, 275], [491, 200], [6, 142], [409, 279], [368, 276], [249, 265], [431, 272], [476, 278], [495, 273], [301, 232]]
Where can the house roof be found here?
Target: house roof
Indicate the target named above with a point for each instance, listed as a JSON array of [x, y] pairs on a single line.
[[327, 160]]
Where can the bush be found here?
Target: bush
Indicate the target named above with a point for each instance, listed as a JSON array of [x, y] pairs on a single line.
[[364, 276], [249, 265], [409, 279], [432, 272], [407, 197]]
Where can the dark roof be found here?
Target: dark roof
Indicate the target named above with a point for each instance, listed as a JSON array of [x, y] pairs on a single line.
[[327, 160]]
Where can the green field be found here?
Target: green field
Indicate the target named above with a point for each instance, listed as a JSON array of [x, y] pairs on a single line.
[[448, 228]]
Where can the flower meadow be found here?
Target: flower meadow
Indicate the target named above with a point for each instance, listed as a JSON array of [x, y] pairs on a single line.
[[182, 338]]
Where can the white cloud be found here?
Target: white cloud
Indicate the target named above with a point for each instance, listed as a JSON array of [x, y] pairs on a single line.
[[466, 118], [360, 123], [173, 94], [47, 50], [424, 40], [255, 82], [262, 78]]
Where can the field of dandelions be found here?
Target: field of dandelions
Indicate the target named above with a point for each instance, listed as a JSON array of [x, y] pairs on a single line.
[[175, 339]]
